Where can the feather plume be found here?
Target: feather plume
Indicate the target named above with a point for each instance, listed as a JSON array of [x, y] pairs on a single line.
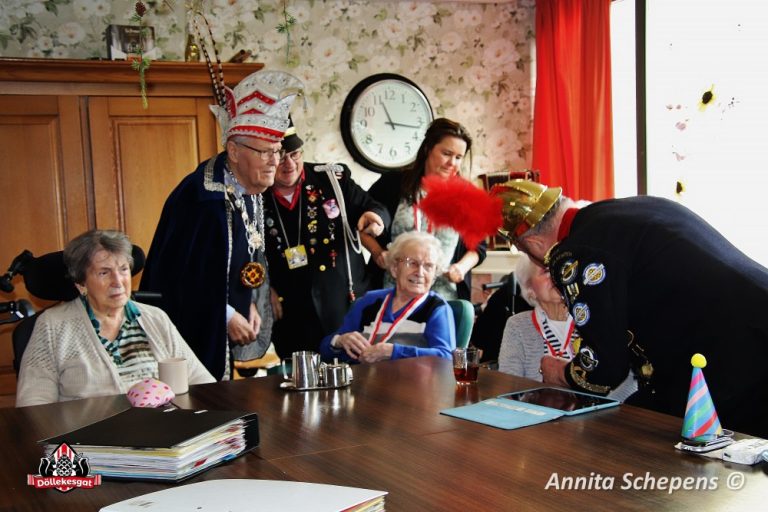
[[457, 203]]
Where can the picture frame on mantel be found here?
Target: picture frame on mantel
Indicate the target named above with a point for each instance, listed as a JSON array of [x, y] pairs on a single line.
[[125, 42]]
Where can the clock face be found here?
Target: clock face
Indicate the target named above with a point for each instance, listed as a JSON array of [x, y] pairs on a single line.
[[384, 120]]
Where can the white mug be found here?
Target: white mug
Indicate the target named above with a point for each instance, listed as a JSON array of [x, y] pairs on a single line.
[[174, 373]]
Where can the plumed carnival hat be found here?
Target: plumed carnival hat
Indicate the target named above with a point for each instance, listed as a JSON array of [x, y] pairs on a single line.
[[460, 205], [291, 140], [524, 204], [258, 106]]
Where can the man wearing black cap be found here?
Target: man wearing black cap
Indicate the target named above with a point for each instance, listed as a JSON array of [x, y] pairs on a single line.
[[649, 284], [316, 268]]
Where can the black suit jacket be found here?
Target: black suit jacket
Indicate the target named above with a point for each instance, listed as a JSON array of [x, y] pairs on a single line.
[[315, 297]]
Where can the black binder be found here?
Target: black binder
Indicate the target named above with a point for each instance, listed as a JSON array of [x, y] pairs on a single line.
[[140, 429]]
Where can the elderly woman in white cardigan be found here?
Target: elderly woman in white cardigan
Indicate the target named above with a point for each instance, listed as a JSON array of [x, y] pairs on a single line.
[[101, 342], [547, 329]]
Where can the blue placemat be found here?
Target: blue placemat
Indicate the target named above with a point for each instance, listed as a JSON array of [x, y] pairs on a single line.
[[503, 413]]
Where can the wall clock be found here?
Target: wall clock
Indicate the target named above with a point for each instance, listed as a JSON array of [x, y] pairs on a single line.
[[383, 121]]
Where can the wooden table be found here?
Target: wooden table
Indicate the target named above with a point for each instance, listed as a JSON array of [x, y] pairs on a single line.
[[385, 432]]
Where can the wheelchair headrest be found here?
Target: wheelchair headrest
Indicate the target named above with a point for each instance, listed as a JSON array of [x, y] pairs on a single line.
[[46, 276]]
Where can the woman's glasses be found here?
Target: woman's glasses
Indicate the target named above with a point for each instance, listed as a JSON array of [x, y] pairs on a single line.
[[414, 264]]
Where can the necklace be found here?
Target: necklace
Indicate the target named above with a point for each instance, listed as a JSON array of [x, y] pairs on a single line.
[[412, 306], [295, 256], [253, 273]]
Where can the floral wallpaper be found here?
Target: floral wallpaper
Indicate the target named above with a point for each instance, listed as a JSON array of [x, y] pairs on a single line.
[[473, 60]]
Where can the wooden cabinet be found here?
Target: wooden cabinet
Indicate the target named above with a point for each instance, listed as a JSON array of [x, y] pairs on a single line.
[[79, 151]]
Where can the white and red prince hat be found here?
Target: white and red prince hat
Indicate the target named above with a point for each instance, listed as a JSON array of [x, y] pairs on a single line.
[[258, 106]]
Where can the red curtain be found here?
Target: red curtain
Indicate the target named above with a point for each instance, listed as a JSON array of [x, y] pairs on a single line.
[[572, 128]]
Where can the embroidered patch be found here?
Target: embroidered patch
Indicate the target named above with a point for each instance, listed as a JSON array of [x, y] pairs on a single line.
[[587, 359], [331, 209], [594, 274], [580, 313], [572, 292], [568, 271], [576, 344]]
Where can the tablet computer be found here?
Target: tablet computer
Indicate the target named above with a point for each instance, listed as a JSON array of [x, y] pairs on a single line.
[[567, 401]]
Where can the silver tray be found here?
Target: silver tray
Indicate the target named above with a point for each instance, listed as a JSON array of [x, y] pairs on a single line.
[[290, 387]]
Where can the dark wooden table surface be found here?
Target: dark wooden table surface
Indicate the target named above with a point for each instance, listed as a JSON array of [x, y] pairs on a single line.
[[385, 432]]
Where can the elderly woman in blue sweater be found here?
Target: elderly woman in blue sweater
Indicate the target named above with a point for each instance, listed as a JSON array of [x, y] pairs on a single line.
[[408, 320]]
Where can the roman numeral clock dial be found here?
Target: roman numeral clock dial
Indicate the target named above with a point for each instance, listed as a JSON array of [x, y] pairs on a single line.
[[383, 121]]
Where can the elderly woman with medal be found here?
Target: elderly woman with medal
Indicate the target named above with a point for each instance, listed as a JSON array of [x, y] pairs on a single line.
[[408, 320], [207, 256], [548, 330]]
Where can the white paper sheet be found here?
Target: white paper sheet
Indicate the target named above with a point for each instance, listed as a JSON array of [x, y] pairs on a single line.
[[239, 494]]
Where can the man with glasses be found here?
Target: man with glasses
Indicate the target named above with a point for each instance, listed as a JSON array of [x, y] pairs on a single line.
[[207, 256], [649, 284], [316, 268]]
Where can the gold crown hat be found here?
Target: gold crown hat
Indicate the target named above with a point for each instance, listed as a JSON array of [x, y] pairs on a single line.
[[258, 106], [524, 204]]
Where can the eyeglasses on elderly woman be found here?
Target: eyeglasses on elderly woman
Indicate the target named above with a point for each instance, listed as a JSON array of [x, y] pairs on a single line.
[[414, 264]]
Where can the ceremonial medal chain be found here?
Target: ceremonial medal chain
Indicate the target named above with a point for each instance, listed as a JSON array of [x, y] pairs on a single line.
[[254, 229], [253, 273]]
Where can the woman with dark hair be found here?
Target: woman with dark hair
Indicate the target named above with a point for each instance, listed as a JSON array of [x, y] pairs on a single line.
[[442, 152]]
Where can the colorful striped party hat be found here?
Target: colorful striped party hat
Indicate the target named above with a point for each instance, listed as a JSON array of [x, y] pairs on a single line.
[[701, 423]]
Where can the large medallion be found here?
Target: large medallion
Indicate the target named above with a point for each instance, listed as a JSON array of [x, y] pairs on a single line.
[[253, 274]]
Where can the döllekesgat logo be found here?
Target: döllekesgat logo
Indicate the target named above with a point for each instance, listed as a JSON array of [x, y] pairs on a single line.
[[64, 469]]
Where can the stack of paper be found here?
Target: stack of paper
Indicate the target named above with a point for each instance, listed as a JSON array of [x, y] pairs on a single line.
[[238, 494], [161, 444]]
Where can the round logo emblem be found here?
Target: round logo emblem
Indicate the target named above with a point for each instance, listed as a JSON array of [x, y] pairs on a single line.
[[580, 313], [594, 273], [568, 271]]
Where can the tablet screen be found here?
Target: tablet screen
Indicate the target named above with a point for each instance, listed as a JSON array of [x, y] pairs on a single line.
[[561, 399]]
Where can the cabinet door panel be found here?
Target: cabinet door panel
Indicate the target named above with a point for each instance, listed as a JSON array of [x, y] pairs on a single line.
[[43, 184], [139, 156]]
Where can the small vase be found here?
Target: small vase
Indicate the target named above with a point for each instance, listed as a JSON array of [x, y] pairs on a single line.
[[191, 50]]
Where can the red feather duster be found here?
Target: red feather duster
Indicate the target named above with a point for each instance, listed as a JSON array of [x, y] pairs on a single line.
[[457, 203]]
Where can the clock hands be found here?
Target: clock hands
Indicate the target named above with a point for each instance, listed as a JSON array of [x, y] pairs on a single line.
[[405, 125], [390, 123], [393, 124]]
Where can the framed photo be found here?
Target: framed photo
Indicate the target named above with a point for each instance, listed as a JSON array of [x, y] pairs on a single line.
[[126, 41]]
